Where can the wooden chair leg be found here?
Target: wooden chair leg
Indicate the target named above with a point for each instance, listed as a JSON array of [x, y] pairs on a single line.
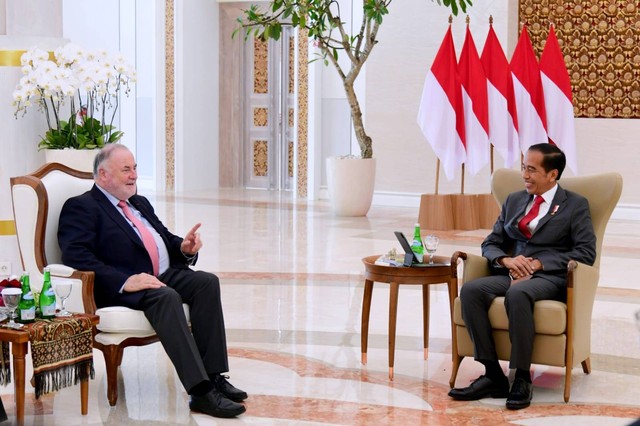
[[457, 359], [586, 366], [112, 360], [567, 383]]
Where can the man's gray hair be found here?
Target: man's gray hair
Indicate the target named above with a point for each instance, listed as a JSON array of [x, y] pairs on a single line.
[[104, 154]]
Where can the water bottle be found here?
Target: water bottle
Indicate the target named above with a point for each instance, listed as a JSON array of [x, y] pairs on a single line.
[[416, 246], [47, 297], [27, 305]]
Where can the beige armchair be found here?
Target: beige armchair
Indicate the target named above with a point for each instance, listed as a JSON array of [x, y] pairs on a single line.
[[37, 201], [563, 331]]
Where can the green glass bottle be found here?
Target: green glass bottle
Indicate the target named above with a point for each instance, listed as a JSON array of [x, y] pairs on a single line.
[[27, 305], [416, 245], [47, 297]]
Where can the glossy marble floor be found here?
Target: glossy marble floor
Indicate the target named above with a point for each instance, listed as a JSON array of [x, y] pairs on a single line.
[[292, 294]]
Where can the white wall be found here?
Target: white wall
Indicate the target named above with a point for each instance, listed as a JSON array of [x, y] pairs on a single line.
[[196, 81]]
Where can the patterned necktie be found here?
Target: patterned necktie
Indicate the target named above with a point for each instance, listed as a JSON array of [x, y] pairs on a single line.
[[145, 234], [533, 213]]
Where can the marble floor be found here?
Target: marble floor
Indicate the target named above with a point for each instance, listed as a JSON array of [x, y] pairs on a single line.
[[292, 293]]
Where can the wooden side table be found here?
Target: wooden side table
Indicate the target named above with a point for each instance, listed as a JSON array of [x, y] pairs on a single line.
[[440, 272], [19, 340]]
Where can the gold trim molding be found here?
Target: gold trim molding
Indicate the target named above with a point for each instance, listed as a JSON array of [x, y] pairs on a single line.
[[7, 227]]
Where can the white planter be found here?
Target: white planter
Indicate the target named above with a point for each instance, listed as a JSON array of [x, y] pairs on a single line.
[[350, 183], [79, 159]]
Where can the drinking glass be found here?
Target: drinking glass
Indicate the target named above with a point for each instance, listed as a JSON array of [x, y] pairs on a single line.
[[11, 299], [431, 245], [62, 288]]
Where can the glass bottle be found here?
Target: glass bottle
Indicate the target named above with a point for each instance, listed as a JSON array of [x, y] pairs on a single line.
[[47, 297], [416, 245], [27, 305]]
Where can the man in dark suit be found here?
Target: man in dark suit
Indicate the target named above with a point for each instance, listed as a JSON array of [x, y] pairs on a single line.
[[138, 263], [539, 230]]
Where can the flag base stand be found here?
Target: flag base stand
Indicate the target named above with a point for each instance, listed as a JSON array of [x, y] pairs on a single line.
[[436, 212], [457, 211]]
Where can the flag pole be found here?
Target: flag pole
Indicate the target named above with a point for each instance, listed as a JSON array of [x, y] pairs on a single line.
[[437, 175], [462, 180]]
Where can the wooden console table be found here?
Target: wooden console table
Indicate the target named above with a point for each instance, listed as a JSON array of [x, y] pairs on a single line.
[[440, 272], [19, 340]]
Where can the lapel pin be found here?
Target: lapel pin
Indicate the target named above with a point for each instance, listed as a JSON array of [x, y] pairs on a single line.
[[555, 209]]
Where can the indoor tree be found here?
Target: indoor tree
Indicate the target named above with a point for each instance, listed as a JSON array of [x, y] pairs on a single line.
[[324, 25]]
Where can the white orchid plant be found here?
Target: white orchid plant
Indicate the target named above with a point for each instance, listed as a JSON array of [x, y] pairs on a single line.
[[83, 85]]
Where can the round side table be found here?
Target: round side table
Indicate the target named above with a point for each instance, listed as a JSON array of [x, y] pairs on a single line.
[[440, 272]]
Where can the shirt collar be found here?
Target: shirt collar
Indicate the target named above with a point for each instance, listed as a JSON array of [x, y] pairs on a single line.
[[550, 194]]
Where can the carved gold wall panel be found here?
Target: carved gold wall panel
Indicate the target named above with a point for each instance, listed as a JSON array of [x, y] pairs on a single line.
[[260, 158], [292, 65], [260, 66], [303, 111], [600, 41], [290, 158], [261, 117]]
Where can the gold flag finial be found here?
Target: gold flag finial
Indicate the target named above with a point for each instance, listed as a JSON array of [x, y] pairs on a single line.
[[450, 19], [468, 19], [490, 19]]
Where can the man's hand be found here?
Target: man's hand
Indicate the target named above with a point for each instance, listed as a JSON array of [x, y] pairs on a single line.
[[141, 282], [191, 243], [521, 266]]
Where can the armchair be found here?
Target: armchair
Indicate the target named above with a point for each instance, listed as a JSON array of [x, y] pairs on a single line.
[[37, 201], [563, 330]]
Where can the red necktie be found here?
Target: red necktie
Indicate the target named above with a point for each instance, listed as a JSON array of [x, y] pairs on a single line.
[[533, 213], [145, 234]]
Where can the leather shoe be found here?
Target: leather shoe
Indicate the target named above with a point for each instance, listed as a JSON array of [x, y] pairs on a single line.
[[520, 394], [482, 387], [222, 385], [215, 404]]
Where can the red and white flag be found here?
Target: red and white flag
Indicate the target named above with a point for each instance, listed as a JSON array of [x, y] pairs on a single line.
[[503, 121], [440, 115], [529, 95], [474, 100], [558, 99]]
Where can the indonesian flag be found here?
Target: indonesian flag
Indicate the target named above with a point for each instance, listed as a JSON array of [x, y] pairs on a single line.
[[474, 100], [440, 115], [527, 87], [503, 121], [558, 99]]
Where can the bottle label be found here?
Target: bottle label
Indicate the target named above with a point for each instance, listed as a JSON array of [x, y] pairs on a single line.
[[48, 310], [28, 314]]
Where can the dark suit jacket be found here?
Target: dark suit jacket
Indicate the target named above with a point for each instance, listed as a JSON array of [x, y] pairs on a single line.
[[94, 236], [563, 234]]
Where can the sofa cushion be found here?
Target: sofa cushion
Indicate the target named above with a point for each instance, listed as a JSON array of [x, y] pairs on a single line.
[[550, 316], [119, 319]]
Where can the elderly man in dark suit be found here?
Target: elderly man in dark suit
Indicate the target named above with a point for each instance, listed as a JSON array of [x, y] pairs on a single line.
[[140, 264], [539, 230]]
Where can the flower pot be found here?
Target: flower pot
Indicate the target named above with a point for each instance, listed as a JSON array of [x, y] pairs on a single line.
[[79, 159], [350, 182]]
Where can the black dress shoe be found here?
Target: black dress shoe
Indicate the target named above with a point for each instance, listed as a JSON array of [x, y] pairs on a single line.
[[222, 385], [520, 394], [216, 405], [482, 387]]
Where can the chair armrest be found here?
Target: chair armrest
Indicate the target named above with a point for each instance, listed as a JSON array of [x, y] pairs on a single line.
[[582, 284], [474, 266], [86, 277]]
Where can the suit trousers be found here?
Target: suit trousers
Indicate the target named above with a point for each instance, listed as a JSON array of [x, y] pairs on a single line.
[[201, 351], [476, 297]]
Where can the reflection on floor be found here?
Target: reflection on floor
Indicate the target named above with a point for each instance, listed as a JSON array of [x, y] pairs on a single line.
[[292, 294]]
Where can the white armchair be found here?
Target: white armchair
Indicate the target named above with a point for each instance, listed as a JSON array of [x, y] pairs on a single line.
[[37, 201]]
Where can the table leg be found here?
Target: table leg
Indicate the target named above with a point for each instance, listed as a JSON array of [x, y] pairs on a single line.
[[19, 350], [366, 310], [84, 397], [425, 319], [393, 312]]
